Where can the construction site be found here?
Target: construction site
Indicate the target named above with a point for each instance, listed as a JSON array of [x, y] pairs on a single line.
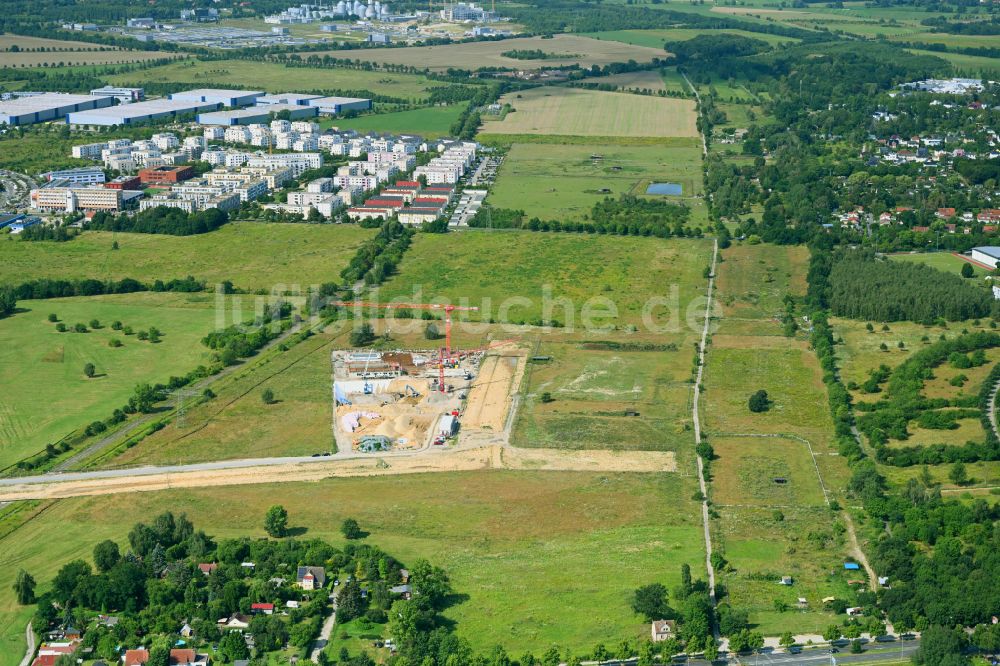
[[417, 399]]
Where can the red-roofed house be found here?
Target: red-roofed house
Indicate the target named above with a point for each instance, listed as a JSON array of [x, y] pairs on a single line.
[[135, 657], [45, 660], [207, 569], [945, 213], [266, 609], [187, 657]]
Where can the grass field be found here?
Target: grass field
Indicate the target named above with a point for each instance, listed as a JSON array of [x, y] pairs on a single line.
[[61, 58], [430, 123], [592, 389], [251, 255], [524, 547], [274, 77], [576, 49], [657, 38], [61, 398], [237, 424], [970, 64], [575, 112], [24, 42], [807, 544], [753, 279], [943, 261], [492, 269], [562, 181], [746, 468]]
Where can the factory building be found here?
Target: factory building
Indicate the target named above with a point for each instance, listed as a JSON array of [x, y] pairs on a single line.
[[337, 105], [140, 112], [254, 115], [123, 95], [82, 176], [293, 99], [48, 106], [231, 98]]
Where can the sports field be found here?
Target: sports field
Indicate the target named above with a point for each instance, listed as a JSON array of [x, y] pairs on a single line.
[[576, 49], [575, 112], [511, 275], [429, 123], [542, 534], [943, 261], [274, 77], [252, 255], [61, 398], [564, 181]]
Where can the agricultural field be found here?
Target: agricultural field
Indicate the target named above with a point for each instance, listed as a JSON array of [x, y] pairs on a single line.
[[237, 423], [512, 275], [575, 112], [62, 398], [965, 64], [273, 77], [430, 123], [586, 398], [564, 181], [544, 534], [575, 49], [943, 261], [252, 255], [26, 43], [657, 38], [647, 79]]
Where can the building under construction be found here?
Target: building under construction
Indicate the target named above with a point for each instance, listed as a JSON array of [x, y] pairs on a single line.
[[395, 400]]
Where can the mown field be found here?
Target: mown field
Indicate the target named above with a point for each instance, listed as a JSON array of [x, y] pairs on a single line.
[[274, 77], [576, 112], [574, 49], [509, 274], [647, 79], [429, 123], [48, 394], [754, 279], [522, 552], [251, 255], [237, 423], [564, 181]]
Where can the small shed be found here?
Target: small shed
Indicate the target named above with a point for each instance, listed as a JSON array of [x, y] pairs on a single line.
[[785, 580], [851, 566]]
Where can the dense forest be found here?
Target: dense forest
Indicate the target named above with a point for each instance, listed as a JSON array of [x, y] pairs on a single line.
[[863, 287]]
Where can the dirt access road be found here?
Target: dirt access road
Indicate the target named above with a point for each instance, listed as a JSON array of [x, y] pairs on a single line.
[[280, 470]]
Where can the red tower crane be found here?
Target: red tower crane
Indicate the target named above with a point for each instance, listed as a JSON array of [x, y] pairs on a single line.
[[448, 309]]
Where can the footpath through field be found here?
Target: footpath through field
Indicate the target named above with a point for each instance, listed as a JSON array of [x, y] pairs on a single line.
[[697, 424]]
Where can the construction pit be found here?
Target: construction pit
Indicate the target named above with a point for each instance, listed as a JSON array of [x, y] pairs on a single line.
[[392, 401]]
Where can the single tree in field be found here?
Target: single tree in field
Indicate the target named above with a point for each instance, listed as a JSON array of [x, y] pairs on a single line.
[[24, 588], [53, 317], [106, 555], [276, 521], [967, 270], [759, 402], [89, 370], [957, 473], [350, 529], [650, 601], [362, 335], [267, 396]]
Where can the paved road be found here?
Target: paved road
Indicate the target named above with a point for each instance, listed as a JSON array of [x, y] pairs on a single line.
[[326, 631], [697, 424], [29, 638]]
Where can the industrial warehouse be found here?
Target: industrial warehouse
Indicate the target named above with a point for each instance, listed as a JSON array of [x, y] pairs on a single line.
[[31, 109]]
